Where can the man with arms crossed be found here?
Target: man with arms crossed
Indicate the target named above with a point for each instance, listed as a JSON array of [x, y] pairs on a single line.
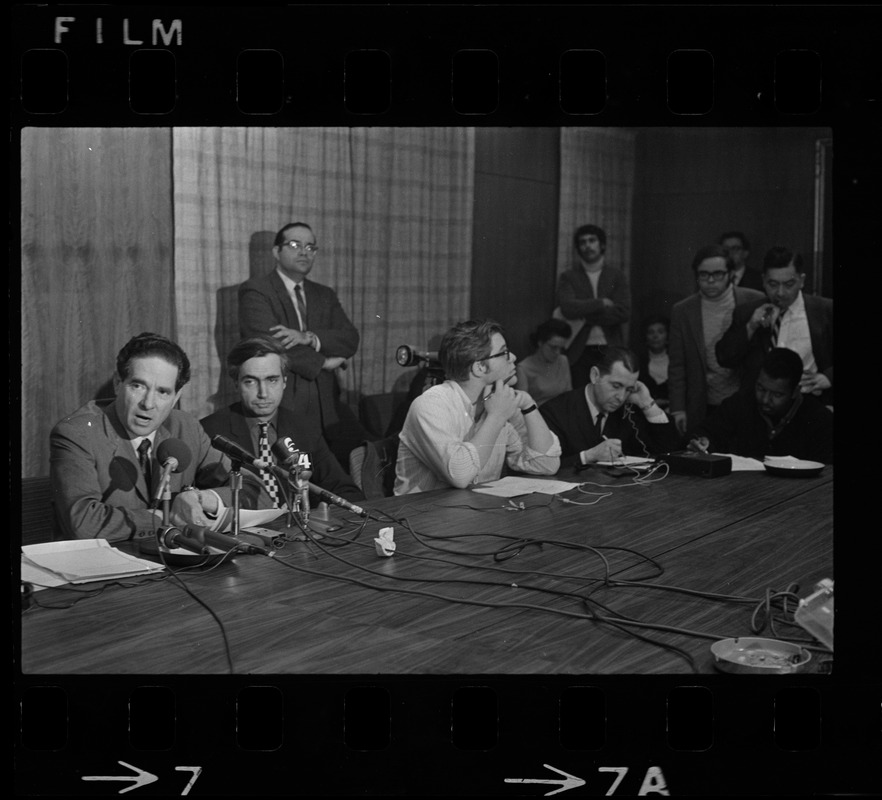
[[613, 415], [258, 367], [461, 432], [102, 461], [596, 294]]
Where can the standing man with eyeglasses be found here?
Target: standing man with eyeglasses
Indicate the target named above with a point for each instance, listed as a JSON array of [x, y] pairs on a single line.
[[736, 245], [307, 319], [463, 431], [698, 383], [784, 317]]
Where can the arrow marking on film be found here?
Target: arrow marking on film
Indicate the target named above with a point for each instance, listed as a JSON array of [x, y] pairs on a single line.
[[569, 781], [141, 779]]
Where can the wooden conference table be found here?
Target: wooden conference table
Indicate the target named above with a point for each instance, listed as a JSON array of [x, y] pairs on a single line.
[[443, 604]]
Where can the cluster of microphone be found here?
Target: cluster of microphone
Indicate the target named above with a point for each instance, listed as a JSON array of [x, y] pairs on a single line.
[[294, 466]]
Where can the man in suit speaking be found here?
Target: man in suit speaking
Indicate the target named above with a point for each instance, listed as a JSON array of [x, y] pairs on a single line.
[[103, 458], [306, 318], [258, 367]]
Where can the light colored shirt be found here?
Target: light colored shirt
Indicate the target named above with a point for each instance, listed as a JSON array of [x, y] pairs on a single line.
[[435, 450], [716, 316], [543, 380], [291, 287], [794, 335]]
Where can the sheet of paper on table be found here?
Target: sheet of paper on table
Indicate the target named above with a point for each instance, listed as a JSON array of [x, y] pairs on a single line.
[[248, 518], [80, 561], [513, 486], [743, 464]]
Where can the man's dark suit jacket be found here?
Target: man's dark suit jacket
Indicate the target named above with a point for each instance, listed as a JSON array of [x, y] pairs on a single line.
[[735, 350], [98, 488], [752, 279], [264, 302], [326, 470], [569, 417]]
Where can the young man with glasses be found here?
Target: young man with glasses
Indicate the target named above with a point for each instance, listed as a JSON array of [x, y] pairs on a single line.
[[307, 319], [736, 245], [784, 317], [697, 382], [463, 431]]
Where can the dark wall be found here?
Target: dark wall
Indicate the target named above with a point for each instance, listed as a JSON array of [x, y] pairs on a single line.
[[692, 184], [515, 228]]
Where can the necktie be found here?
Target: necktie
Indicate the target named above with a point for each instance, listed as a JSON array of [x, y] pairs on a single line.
[[776, 329], [301, 305], [598, 425], [263, 452], [144, 461]]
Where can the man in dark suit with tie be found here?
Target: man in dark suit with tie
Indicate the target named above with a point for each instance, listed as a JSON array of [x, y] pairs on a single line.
[[102, 461], [308, 320], [258, 367], [784, 318], [614, 414], [738, 249]]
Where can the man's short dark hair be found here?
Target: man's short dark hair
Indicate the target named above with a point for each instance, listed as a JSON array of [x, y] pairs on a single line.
[[585, 230], [280, 236], [611, 354], [779, 257], [551, 328], [656, 319], [712, 251], [255, 347], [145, 345], [735, 235], [464, 344], [781, 362]]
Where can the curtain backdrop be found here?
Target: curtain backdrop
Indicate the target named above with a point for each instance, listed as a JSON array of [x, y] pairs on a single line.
[[596, 187], [96, 230], [391, 209]]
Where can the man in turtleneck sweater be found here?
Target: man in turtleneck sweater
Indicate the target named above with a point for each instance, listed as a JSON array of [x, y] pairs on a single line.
[[698, 384]]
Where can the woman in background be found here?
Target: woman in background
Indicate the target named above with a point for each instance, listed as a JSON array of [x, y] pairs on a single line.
[[654, 361], [546, 373]]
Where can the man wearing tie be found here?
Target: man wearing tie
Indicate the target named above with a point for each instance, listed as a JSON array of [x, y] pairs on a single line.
[[784, 318], [306, 318], [102, 461], [613, 415], [258, 367]]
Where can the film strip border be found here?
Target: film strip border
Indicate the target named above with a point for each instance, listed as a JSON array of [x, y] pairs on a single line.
[[472, 737], [461, 735], [308, 65]]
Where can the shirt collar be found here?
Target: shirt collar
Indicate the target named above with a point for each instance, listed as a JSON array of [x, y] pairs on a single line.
[[253, 422], [797, 307], [289, 284], [136, 443], [591, 407]]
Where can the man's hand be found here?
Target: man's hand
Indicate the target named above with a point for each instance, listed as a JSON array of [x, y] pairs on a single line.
[[607, 450], [288, 337], [814, 384], [699, 444], [640, 396], [332, 362], [188, 510], [763, 316], [680, 421], [524, 399], [502, 402], [607, 302]]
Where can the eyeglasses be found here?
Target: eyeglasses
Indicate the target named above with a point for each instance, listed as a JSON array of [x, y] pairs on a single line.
[[505, 353], [708, 277], [310, 249]]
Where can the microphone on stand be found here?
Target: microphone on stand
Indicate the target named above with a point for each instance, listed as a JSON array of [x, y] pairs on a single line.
[[200, 539], [329, 497], [299, 469], [235, 452], [174, 456]]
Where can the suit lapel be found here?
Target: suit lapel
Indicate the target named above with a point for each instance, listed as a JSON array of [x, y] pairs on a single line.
[[122, 448], [695, 326], [291, 319]]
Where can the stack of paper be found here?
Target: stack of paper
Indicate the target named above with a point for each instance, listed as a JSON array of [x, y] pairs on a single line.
[[79, 561]]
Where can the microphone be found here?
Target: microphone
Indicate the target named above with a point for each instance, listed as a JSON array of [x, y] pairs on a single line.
[[236, 452], [199, 539], [174, 456], [299, 469], [406, 356], [328, 497]]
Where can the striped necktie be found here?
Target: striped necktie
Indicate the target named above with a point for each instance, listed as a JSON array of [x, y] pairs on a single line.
[[263, 452], [301, 305], [776, 328]]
